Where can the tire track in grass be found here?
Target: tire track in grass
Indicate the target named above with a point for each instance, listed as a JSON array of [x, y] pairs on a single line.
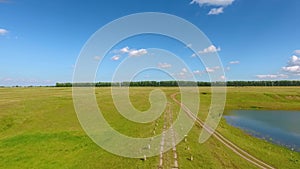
[[173, 140], [165, 157], [162, 143]]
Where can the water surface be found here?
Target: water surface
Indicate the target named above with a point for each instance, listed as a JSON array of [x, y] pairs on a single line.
[[280, 127]]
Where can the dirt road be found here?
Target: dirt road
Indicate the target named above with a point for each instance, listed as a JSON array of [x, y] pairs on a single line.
[[240, 152]]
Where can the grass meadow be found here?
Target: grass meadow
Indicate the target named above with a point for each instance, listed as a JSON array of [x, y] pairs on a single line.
[[39, 129]]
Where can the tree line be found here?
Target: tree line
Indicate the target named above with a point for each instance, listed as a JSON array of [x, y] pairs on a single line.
[[181, 83]]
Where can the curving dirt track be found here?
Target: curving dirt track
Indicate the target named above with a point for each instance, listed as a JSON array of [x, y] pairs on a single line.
[[240, 152]]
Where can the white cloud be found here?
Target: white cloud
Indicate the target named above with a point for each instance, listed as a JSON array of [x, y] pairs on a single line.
[[164, 65], [8, 79], [216, 11], [132, 52], [234, 62], [272, 76], [197, 72], [297, 52], [181, 73], [116, 57], [210, 49], [292, 69], [221, 4], [293, 65], [194, 55], [222, 77], [138, 52], [189, 45], [184, 74], [213, 2], [211, 69], [125, 50], [295, 60], [3, 31], [97, 57], [24, 82]]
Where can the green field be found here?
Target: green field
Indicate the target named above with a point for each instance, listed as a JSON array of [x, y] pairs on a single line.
[[39, 129]]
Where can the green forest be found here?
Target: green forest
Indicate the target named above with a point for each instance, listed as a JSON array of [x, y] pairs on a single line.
[[182, 83]]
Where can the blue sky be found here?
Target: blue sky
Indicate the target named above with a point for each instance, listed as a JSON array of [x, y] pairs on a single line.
[[41, 40]]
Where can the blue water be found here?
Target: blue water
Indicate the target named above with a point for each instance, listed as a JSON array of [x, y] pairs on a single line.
[[280, 127]]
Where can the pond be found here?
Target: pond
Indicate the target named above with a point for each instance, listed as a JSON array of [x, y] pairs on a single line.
[[280, 127]]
